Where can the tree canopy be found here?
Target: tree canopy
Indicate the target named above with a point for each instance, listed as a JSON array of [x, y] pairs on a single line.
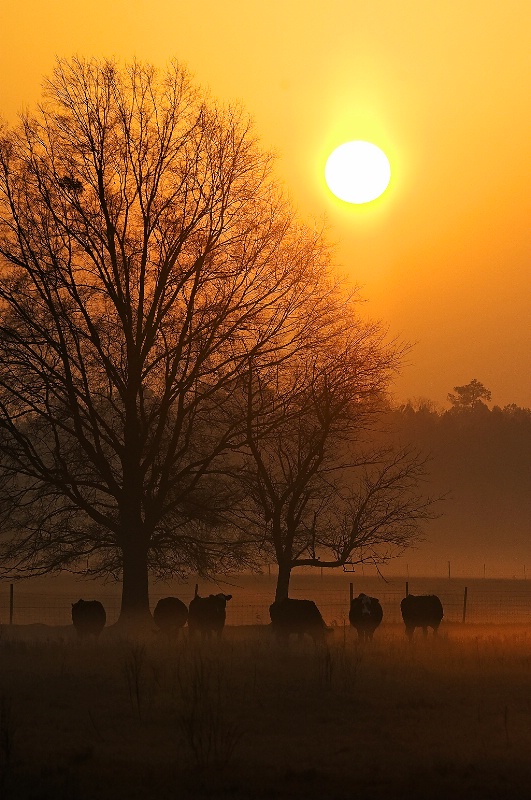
[[146, 256], [470, 396]]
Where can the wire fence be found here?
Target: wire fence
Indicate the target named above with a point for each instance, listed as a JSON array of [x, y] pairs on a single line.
[[506, 602]]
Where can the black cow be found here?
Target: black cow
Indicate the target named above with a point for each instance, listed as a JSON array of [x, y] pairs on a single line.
[[89, 618], [206, 615], [365, 615], [170, 615], [297, 616], [421, 611]]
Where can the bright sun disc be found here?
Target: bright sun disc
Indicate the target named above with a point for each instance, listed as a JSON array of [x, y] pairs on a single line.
[[357, 172]]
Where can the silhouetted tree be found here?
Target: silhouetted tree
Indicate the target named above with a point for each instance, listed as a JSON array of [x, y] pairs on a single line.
[[146, 259], [471, 396], [316, 488]]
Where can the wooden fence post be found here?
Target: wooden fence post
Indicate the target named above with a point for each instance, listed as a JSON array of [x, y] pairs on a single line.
[[10, 603], [464, 603], [407, 588]]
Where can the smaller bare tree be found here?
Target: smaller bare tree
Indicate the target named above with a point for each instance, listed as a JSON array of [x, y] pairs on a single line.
[[318, 492]]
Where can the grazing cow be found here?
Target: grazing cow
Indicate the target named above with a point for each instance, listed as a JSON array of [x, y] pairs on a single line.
[[206, 615], [365, 615], [170, 615], [297, 616], [89, 618], [421, 611]]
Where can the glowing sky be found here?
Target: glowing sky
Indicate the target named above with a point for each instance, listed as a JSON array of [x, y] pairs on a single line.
[[443, 87]]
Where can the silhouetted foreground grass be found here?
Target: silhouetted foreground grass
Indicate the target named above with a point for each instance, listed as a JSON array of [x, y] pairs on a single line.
[[446, 718]]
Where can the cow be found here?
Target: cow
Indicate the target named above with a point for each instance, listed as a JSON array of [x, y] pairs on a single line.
[[297, 616], [365, 615], [89, 618], [206, 615], [421, 611], [170, 615]]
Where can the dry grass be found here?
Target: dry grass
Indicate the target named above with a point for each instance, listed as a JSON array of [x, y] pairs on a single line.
[[442, 718]]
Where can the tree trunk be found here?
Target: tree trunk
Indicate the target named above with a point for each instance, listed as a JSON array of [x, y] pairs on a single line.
[[284, 575], [135, 579], [135, 585]]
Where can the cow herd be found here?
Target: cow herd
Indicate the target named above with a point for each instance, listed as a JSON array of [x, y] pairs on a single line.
[[206, 615], [303, 617]]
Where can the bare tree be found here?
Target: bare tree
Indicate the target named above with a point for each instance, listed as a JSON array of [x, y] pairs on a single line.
[[317, 488], [146, 258]]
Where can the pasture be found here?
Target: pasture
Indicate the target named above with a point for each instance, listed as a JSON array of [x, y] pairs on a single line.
[[243, 718]]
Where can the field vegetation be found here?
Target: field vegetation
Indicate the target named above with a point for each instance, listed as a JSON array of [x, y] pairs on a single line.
[[243, 718]]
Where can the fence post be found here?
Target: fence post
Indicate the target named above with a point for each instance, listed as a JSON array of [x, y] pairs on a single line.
[[407, 588], [464, 603], [10, 603], [351, 589]]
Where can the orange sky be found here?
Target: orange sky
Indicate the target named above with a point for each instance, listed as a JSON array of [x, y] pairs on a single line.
[[442, 86]]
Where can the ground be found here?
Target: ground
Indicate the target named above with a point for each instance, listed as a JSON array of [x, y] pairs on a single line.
[[446, 717]]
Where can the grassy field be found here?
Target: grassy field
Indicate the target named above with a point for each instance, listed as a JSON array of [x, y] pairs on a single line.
[[241, 718]]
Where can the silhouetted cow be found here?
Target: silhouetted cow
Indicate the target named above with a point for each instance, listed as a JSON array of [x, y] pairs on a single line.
[[89, 618], [297, 616], [421, 611], [206, 615], [365, 615], [170, 615]]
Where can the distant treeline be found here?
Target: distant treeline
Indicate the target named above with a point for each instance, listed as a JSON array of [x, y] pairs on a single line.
[[480, 459]]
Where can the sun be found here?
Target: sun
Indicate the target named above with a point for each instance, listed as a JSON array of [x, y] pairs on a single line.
[[357, 172]]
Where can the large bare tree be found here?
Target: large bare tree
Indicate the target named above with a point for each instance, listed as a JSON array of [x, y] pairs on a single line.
[[146, 259], [321, 489]]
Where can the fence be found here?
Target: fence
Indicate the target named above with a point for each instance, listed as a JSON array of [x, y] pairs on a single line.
[[494, 602]]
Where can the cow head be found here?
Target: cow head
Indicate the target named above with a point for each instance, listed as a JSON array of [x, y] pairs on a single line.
[[221, 597]]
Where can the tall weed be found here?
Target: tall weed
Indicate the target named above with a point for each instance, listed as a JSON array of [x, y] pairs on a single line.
[[8, 730], [133, 668], [206, 716]]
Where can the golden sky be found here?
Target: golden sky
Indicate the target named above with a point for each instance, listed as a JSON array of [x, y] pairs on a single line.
[[442, 86]]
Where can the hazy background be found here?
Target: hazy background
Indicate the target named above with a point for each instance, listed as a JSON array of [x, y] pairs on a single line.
[[443, 257]]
